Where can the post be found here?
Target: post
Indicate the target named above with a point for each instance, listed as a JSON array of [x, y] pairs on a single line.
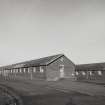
[[31, 74]]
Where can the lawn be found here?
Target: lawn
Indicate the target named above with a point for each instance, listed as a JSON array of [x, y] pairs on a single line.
[[40, 92]]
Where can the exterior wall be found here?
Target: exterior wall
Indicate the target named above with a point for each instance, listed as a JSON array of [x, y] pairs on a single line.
[[103, 76], [31, 74], [39, 74], [69, 68], [53, 70], [23, 73]]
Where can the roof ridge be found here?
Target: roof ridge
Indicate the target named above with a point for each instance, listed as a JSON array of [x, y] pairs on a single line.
[[60, 55], [90, 63]]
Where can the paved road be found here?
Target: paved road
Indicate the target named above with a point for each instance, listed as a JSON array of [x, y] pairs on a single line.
[[85, 88]]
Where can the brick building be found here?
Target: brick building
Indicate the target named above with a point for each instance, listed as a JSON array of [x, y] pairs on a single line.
[[50, 68], [94, 72]]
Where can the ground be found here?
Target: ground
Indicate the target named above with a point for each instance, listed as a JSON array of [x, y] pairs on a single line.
[[62, 92]]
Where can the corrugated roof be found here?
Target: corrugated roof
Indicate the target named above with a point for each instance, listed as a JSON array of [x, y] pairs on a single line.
[[93, 66], [37, 62]]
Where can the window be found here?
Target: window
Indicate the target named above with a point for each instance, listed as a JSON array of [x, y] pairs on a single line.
[[83, 73], [20, 70], [76, 73], [41, 70], [99, 72], [28, 70], [90, 72], [73, 74], [34, 69], [62, 73], [61, 68], [11, 71], [24, 70]]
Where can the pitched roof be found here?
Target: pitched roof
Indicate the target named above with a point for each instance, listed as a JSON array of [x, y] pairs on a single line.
[[37, 62], [93, 66]]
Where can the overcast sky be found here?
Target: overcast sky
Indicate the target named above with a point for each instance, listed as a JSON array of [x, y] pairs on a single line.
[[30, 29]]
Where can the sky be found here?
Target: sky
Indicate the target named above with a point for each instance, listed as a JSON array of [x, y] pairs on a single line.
[[31, 29]]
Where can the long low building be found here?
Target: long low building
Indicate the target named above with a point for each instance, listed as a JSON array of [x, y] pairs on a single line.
[[50, 68], [53, 68], [94, 72]]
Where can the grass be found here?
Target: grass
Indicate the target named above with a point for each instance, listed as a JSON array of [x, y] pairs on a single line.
[[49, 99], [39, 92]]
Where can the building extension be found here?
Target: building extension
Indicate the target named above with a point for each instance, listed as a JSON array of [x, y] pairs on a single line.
[[94, 72]]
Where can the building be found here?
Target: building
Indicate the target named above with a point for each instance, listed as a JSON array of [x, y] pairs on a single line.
[[94, 72], [50, 68]]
